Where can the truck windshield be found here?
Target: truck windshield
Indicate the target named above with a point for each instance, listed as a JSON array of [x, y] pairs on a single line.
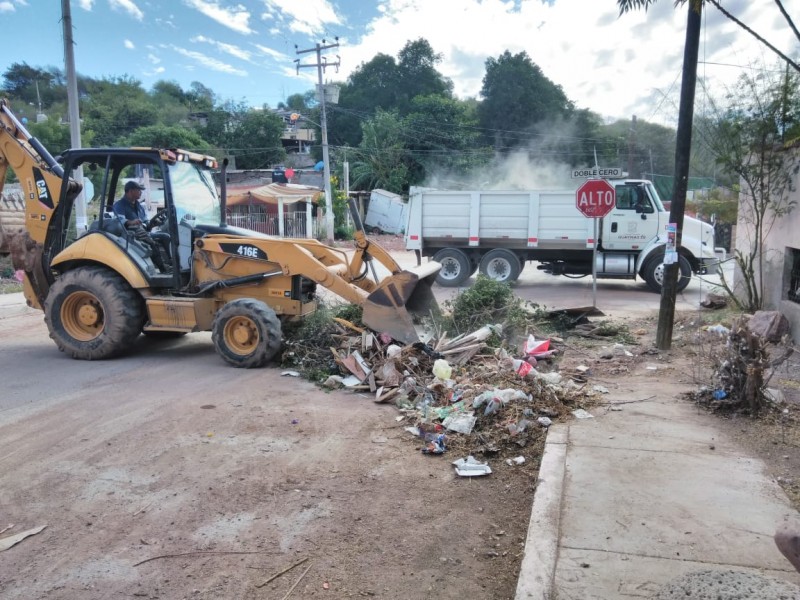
[[651, 191], [194, 193]]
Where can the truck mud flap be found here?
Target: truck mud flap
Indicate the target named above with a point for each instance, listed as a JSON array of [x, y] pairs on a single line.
[[390, 307]]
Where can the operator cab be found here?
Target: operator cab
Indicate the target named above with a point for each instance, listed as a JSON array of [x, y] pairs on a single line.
[[179, 194]]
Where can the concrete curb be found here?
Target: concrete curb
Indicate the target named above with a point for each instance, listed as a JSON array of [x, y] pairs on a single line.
[[538, 567]]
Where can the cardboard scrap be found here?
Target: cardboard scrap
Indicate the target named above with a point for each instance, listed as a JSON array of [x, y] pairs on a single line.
[[11, 540]]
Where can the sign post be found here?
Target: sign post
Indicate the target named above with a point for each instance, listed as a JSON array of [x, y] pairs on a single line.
[[595, 199]]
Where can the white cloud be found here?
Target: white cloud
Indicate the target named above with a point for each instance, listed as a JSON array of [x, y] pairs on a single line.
[[312, 19], [614, 65], [153, 58], [129, 7], [236, 18], [207, 61], [6, 7], [86, 4], [231, 49], [271, 53], [129, 45]]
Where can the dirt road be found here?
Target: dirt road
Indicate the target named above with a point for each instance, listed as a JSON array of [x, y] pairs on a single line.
[[235, 475]]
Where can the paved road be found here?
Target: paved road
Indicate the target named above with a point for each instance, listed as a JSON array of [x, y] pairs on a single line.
[[614, 297]]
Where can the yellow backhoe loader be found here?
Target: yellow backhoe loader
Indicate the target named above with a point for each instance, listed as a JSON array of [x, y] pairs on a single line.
[[99, 288]]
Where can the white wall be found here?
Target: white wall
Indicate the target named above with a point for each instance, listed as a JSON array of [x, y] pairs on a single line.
[[784, 233]]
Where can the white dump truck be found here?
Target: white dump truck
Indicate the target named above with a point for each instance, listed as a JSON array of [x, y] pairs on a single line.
[[499, 231]]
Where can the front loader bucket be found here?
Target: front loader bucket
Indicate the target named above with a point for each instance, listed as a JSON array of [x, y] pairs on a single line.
[[389, 308]]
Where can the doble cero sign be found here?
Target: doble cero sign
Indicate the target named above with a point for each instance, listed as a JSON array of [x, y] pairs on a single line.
[[595, 198]]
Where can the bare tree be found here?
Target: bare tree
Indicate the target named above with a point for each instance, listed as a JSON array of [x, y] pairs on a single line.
[[749, 138]]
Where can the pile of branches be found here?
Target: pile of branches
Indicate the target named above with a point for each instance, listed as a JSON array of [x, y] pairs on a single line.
[[742, 372]]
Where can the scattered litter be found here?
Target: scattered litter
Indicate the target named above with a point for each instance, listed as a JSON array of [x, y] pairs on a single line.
[[351, 381], [600, 388], [11, 540], [719, 329], [295, 421], [442, 369], [393, 351], [582, 414], [582, 369], [469, 467], [517, 460], [537, 348], [460, 423], [621, 350], [334, 381], [652, 367], [436, 445], [775, 396], [552, 378], [544, 421], [290, 374]]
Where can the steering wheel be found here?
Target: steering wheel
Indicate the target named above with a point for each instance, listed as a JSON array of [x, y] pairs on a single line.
[[158, 219]]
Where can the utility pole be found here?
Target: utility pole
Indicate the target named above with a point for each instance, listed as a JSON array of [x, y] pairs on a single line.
[[321, 65], [669, 286], [74, 118]]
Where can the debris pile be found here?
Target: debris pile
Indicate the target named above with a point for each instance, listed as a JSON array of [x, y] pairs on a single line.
[[459, 395], [742, 369]]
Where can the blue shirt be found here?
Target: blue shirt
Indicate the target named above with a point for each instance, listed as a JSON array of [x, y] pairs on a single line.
[[129, 212]]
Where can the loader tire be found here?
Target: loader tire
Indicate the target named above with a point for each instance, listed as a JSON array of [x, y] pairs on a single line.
[[501, 265], [456, 267], [653, 273], [92, 313], [246, 333]]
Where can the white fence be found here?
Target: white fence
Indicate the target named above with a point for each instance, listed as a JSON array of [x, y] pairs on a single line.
[[283, 223]]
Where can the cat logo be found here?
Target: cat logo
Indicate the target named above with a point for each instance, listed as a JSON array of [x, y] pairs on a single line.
[[41, 188]]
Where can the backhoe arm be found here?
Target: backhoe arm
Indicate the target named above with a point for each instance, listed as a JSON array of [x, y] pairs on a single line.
[[41, 179]]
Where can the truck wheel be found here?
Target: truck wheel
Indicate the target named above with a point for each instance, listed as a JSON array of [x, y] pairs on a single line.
[[92, 313], [456, 267], [246, 333], [501, 265], [653, 273]]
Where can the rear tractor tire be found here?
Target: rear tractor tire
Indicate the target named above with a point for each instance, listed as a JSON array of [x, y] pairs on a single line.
[[92, 313], [246, 333], [456, 267]]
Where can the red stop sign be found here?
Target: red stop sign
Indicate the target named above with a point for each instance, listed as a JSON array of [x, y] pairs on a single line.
[[595, 198]]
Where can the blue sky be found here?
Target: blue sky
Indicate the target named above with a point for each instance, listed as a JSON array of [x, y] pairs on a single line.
[[245, 49]]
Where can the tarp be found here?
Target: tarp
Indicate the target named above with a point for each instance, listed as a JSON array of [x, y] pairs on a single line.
[[269, 194]]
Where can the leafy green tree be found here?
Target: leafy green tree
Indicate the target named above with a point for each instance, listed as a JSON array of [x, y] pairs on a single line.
[[166, 136], [442, 134], [32, 84], [641, 148], [200, 97], [517, 96], [54, 136], [417, 75], [254, 137], [173, 104], [115, 107], [381, 156], [298, 102]]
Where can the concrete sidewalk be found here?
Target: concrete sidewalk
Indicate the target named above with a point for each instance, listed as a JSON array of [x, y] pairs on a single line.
[[635, 498]]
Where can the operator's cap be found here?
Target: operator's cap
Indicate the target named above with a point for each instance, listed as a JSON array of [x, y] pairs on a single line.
[[133, 185]]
